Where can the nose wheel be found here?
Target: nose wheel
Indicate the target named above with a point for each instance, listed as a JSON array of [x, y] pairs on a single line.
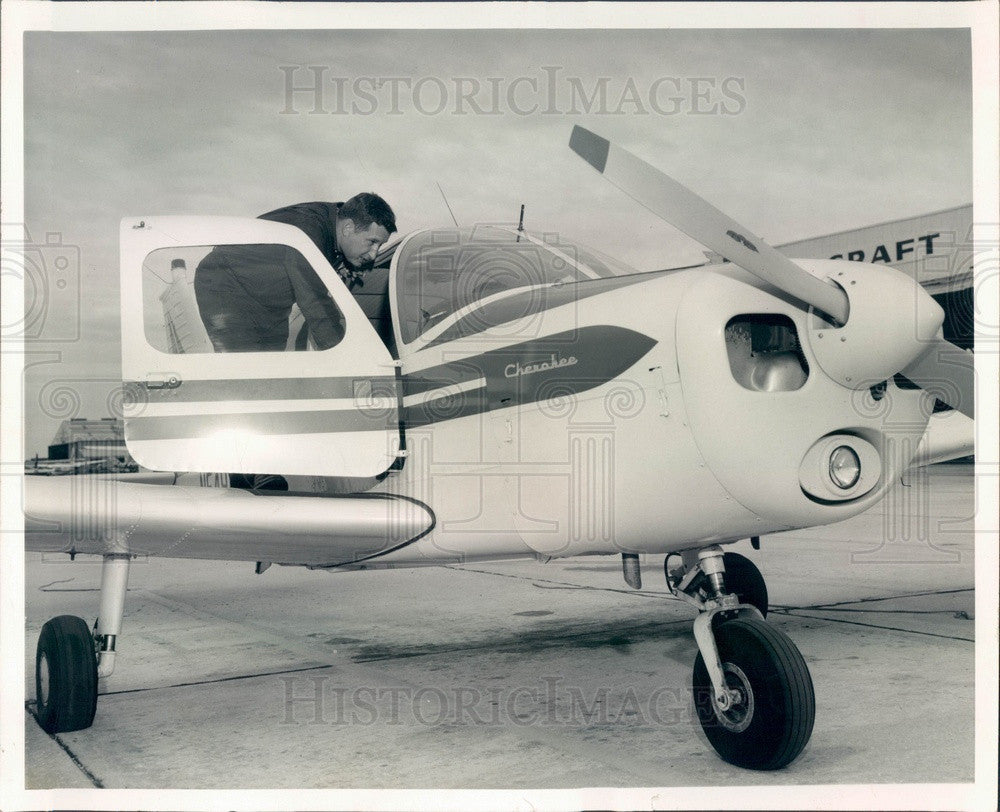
[[765, 717], [752, 688]]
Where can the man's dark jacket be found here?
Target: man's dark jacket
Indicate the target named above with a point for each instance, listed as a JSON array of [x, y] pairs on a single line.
[[245, 293]]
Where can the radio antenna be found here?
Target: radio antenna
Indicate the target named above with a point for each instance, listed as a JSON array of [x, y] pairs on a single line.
[[445, 199], [520, 224]]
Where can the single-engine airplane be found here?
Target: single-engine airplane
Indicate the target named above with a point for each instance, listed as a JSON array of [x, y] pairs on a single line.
[[500, 394]]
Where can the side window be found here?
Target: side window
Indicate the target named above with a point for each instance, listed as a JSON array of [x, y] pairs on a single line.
[[236, 298], [441, 272]]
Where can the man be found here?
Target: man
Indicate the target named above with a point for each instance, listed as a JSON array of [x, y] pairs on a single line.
[[245, 293]]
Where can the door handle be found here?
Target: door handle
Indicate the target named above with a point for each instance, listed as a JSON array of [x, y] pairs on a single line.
[[162, 381]]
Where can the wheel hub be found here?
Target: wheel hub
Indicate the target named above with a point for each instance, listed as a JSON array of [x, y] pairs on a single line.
[[43, 680], [734, 708]]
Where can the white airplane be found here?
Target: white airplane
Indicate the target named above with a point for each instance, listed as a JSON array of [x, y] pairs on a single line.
[[499, 394]]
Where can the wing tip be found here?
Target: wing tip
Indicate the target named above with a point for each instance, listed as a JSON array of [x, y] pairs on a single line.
[[589, 146]]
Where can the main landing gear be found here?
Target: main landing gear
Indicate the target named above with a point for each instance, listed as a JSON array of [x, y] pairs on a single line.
[[70, 657], [752, 689]]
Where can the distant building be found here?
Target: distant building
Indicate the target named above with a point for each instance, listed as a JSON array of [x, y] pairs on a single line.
[[935, 249], [86, 446]]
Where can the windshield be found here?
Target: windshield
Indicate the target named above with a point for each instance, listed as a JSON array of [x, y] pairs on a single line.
[[601, 264], [442, 271]]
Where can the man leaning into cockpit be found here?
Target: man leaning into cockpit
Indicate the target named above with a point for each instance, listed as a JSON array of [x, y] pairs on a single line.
[[245, 293]]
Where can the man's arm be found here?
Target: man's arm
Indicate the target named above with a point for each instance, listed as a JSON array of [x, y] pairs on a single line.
[[322, 316]]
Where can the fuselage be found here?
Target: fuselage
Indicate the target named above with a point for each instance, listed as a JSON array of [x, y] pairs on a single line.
[[635, 413], [529, 397]]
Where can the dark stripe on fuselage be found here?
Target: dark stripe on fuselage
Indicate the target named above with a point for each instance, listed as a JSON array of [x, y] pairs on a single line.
[[262, 389], [451, 407], [443, 375], [555, 366]]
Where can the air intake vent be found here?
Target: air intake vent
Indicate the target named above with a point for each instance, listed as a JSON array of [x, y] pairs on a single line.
[[764, 353]]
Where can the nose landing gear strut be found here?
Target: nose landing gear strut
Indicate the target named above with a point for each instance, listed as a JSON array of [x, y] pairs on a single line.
[[752, 689]]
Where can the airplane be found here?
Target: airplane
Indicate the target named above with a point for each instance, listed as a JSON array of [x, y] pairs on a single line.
[[500, 393]]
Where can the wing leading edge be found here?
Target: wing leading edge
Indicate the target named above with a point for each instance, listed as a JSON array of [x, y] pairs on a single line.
[[96, 515], [950, 435]]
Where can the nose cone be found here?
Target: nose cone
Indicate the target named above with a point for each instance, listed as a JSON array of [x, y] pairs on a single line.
[[890, 323], [755, 432]]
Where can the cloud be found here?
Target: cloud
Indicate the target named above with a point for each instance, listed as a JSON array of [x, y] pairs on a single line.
[[836, 129]]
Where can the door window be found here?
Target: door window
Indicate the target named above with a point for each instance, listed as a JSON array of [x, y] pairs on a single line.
[[236, 298]]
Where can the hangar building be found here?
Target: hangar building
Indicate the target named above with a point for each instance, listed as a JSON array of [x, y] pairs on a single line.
[[936, 249], [91, 444]]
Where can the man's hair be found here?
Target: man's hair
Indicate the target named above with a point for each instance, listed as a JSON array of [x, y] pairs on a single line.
[[367, 208]]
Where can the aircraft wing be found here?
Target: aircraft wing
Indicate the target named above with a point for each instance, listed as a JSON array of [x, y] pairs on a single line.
[[89, 514], [949, 435]]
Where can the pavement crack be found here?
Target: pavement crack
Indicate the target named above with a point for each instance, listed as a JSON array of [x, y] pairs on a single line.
[[215, 680], [249, 628], [792, 612], [29, 707], [921, 594], [964, 615], [44, 587]]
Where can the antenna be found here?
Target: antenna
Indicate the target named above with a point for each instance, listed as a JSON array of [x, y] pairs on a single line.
[[520, 222], [445, 199]]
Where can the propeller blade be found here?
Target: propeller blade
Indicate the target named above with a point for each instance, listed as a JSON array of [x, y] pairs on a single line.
[[948, 373], [697, 218]]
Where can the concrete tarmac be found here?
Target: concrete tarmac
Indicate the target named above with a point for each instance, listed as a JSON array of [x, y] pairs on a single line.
[[519, 674]]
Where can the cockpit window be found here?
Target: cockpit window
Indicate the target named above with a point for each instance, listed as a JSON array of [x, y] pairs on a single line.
[[601, 264], [442, 271], [236, 298]]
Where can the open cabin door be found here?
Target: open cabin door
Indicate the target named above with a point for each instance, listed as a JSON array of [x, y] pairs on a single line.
[[320, 401]]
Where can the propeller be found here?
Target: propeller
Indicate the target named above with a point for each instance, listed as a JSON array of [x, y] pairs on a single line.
[[700, 220], [948, 373], [936, 365]]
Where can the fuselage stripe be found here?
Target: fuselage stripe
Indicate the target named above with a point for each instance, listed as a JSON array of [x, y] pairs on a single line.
[[245, 425], [554, 366], [261, 389]]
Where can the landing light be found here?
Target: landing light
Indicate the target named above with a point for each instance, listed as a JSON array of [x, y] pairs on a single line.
[[840, 467], [845, 467]]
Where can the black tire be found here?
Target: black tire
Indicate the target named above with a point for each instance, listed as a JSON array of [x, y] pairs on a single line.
[[65, 675], [744, 580], [772, 722]]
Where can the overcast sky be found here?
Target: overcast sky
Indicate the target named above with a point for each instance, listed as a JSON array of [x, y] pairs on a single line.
[[793, 133]]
